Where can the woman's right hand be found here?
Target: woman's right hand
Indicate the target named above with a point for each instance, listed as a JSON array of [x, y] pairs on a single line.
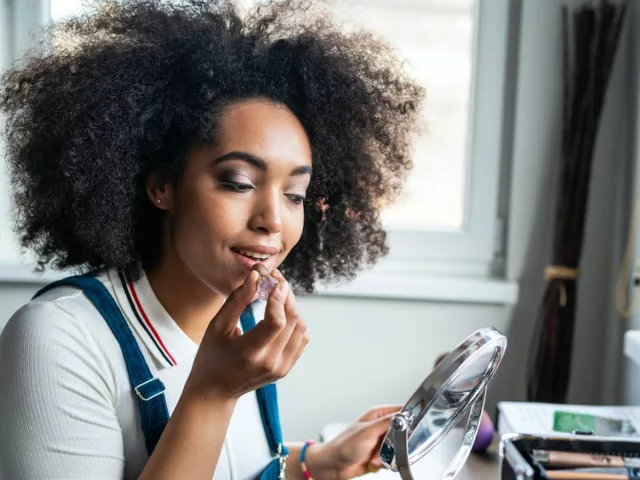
[[230, 363]]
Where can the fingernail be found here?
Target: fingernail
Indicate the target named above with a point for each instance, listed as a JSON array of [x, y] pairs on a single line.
[[261, 269], [281, 290]]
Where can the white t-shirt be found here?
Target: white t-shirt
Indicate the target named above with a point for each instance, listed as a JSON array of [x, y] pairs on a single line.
[[67, 410]]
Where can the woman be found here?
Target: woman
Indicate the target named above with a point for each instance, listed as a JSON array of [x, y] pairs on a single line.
[[169, 151]]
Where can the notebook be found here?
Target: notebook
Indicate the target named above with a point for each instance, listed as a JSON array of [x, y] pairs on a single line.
[[538, 418]]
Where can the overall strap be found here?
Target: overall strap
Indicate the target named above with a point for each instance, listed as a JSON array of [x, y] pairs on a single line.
[[268, 404], [152, 406]]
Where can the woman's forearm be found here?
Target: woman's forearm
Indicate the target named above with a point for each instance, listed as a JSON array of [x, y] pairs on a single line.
[[319, 458], [191, 443]]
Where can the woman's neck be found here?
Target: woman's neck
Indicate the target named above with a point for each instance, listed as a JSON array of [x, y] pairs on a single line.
[[190, 303]]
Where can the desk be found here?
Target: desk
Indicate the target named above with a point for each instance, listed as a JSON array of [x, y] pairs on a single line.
[[483, 467]]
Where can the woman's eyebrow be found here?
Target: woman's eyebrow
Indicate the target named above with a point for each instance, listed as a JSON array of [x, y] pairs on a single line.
[[245, 157], [302, 170], [258, 162]]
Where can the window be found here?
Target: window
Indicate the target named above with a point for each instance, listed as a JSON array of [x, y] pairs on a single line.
[[18, 20], [455, 48], [446, 219], [7, 242], [436, 37]]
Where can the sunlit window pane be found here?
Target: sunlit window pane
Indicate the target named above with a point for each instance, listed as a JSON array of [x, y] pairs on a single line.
[[436, 37]]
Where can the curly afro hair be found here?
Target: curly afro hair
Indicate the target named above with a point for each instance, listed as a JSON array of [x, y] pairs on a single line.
[[135, 83]]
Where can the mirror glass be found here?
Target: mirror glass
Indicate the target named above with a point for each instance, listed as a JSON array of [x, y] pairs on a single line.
[[442, 416]]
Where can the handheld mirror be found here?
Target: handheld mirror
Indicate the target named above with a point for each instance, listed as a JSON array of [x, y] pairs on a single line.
[[440, 421]]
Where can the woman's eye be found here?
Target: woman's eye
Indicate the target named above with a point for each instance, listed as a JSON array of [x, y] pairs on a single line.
[[236, 186], [235, 181], [295, 199]]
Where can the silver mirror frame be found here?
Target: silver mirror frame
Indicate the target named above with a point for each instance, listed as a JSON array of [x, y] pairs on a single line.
[[395, 454]]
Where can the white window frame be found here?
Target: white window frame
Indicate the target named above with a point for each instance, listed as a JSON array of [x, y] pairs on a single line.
[[6, 44], [459, 265], [471, 249], [18, 20]]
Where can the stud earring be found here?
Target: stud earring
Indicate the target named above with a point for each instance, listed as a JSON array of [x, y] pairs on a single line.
[[158, 201]]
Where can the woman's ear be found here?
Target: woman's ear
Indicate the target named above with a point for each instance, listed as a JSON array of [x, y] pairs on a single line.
[[159, 191]]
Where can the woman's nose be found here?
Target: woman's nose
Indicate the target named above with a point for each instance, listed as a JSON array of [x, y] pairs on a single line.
[[267, 217]]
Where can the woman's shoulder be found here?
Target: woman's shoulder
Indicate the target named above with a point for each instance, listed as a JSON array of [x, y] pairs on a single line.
[[60, 319], [61, 373], [60, 305]]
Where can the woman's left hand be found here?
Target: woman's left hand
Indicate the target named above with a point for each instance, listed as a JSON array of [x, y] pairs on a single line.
[[355, 451]]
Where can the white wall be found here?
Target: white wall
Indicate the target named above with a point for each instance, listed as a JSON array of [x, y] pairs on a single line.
[[364, 352]]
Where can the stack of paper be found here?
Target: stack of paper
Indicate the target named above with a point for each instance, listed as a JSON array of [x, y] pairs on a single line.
[[537, 418]]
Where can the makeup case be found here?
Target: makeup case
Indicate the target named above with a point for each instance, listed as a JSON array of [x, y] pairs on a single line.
[[518, 462]]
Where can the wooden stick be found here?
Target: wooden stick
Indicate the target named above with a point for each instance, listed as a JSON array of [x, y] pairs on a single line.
[[559, 475]]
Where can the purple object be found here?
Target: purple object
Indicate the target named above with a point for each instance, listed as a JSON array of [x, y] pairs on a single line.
[[485, 434], [265, 285]]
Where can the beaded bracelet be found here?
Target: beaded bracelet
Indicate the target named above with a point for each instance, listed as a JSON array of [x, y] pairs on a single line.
[[303, 453]]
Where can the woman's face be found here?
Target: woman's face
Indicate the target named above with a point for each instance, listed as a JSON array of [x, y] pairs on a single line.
[[240, 200]]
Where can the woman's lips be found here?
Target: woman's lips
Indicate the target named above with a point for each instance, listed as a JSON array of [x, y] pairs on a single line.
[[247, 261], [256, 251]]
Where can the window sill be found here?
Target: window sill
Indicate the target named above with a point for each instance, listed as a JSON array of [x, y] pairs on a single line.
[[387, 285], [17, 273], [424, 287]]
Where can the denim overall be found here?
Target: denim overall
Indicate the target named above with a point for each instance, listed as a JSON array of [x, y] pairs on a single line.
[[152, 405]]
